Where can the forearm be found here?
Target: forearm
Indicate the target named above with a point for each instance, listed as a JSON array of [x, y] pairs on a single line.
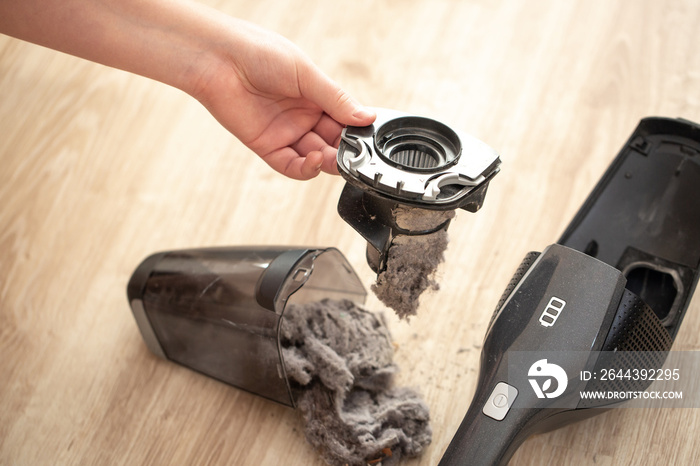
[[166, 40], [258, 85]]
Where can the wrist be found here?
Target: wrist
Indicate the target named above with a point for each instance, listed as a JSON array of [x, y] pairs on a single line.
[[216, 46], [200, 43]]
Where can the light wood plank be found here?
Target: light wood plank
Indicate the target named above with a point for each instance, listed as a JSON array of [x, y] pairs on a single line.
[[99, 168]]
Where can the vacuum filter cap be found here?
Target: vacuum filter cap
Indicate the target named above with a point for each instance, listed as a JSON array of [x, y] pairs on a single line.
[[416, 160], [407, 163]]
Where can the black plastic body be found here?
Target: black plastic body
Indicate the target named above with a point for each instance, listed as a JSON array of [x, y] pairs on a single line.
[[630, 257], [643, 217], [592, 291], [218, 311], [373, 217]]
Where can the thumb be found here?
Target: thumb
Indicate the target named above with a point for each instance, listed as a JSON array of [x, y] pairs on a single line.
[[327, 94]]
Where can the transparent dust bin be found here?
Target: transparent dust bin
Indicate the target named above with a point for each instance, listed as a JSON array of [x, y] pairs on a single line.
[[219, 310]]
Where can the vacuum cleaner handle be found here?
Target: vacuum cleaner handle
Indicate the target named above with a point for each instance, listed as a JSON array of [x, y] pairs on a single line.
[[615, 289], [561, 302], [482, 440]]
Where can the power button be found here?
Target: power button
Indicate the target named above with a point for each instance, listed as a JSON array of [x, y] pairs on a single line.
[[500, 401]]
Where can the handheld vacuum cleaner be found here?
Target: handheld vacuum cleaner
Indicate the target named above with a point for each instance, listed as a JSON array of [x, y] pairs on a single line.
[[613, 290]]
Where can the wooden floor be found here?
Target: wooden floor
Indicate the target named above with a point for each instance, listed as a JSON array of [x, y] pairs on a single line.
[[99, 168]]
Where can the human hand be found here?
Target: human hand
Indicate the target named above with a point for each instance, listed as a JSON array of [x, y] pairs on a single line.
[[258, 85], [270, 95]]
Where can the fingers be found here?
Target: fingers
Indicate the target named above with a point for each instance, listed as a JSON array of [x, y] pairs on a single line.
[[328, 129], [312, 143], [328, 95], [306, 158], [288, 162], [330, 163]]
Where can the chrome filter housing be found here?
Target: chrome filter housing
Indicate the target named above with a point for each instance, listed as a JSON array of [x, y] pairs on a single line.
[[408, 161]]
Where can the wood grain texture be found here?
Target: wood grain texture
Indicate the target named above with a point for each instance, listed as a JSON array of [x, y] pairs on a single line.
[[99, 168]]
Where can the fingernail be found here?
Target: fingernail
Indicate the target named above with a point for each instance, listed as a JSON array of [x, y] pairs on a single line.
[[363, 114]]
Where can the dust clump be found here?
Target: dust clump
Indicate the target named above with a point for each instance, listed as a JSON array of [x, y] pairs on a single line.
[[340, 357], [412, 260]]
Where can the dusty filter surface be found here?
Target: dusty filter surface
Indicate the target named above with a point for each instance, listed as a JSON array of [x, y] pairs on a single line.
[[412, 260], [341, 357]]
